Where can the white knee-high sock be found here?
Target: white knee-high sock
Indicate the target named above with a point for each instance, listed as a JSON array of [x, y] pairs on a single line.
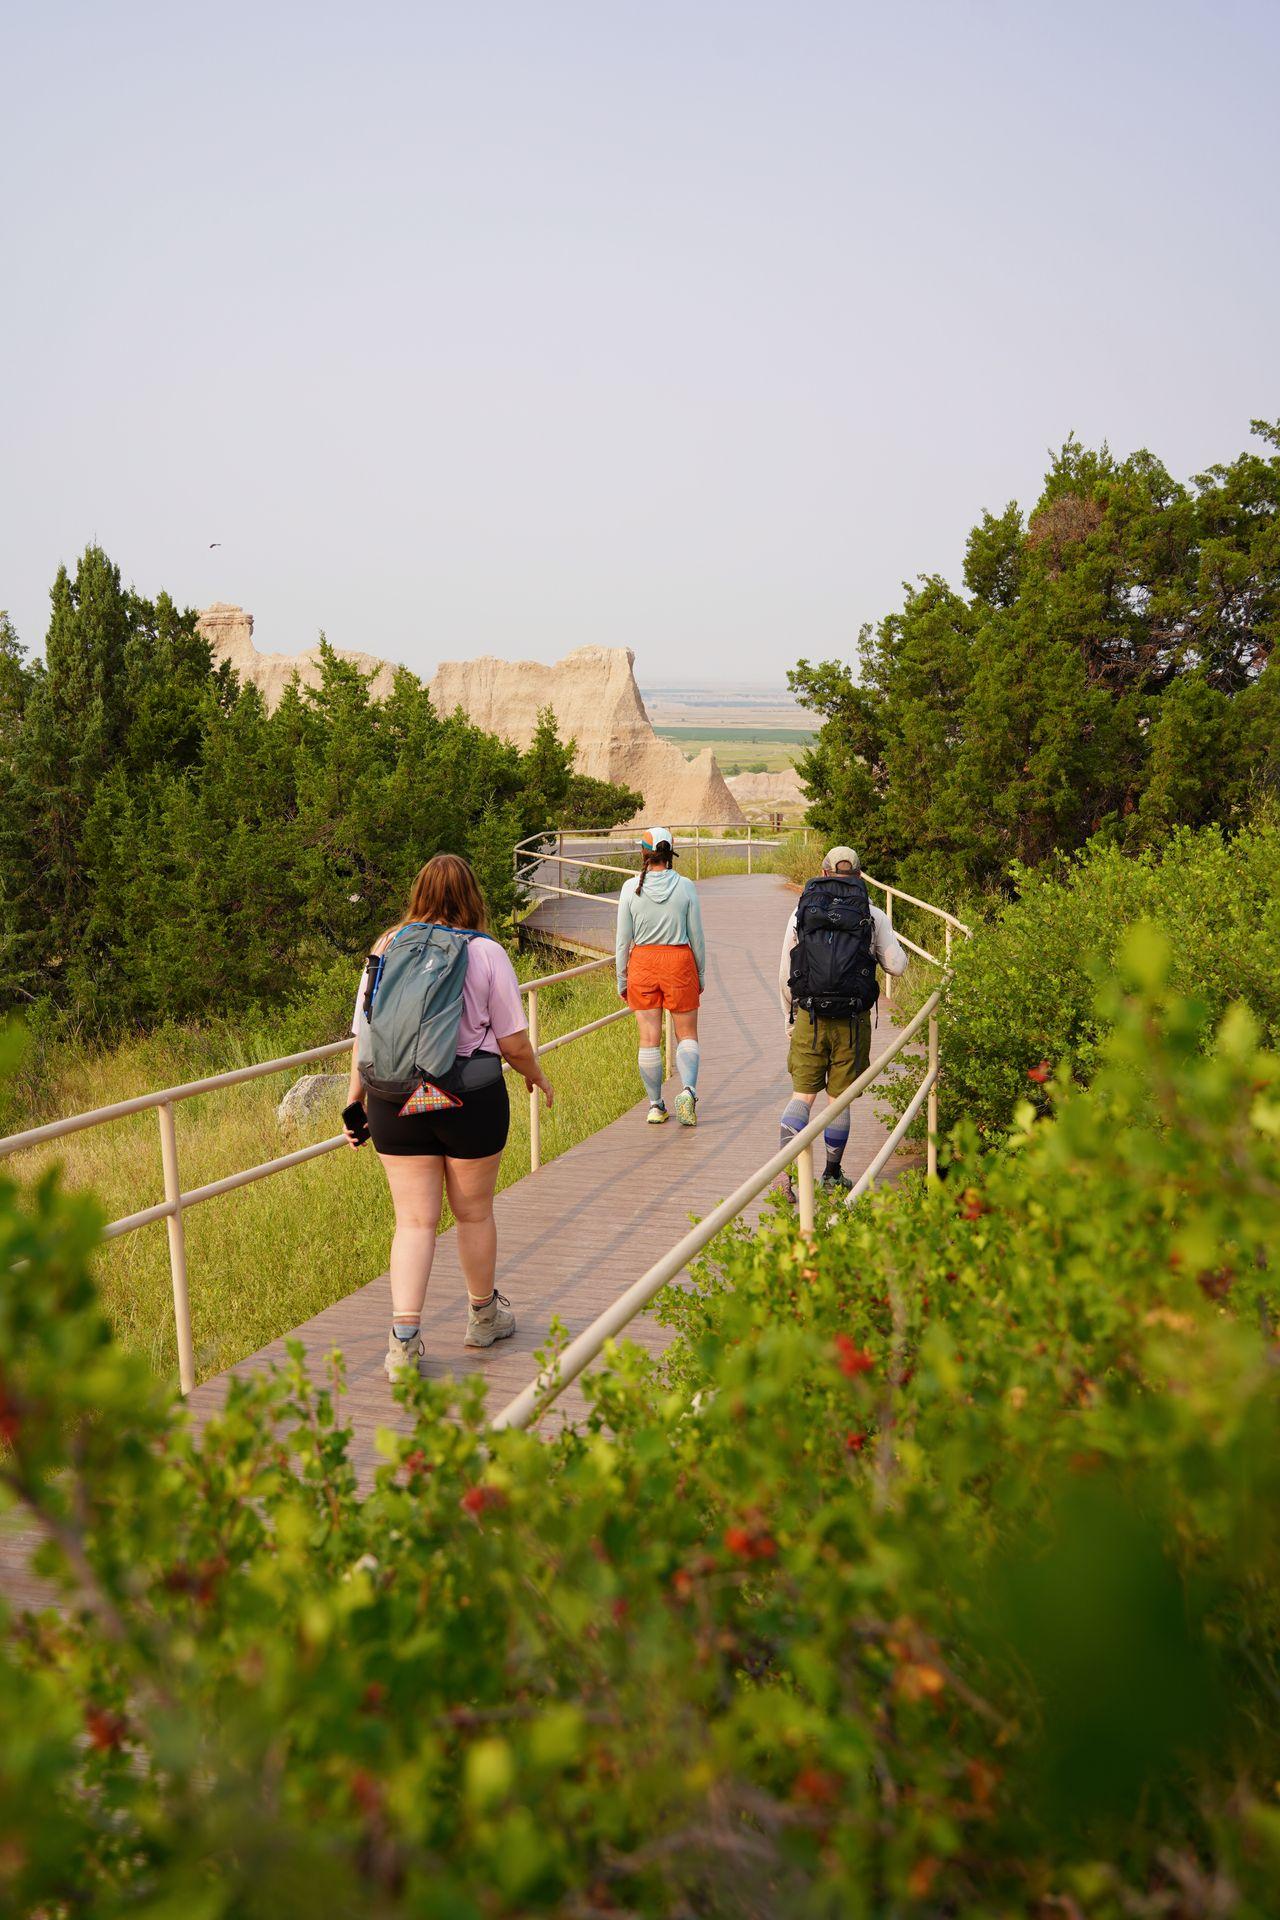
[[650, 1061], [688, 1060]]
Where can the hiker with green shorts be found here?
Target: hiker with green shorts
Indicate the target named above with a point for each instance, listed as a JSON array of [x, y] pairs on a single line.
[[827, 983]]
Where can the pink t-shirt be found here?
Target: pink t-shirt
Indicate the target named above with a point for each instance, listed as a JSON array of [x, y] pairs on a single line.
[[491, 1006]]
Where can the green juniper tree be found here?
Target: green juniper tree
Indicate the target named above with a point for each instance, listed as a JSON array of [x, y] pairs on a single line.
[[168, 848], [1105, 672]]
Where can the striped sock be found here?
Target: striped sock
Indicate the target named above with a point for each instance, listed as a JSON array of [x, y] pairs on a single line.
[[405, 1327], [650, 1062], [688, 1060], [836, 1138], [795, 1115]]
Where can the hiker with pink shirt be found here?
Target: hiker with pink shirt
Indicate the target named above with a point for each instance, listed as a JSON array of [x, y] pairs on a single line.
[[438, 1012]]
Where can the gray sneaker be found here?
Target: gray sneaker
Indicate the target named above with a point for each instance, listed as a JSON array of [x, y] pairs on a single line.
[[785, 1187], [402, 1356], [487, 1324], [836, 1180]]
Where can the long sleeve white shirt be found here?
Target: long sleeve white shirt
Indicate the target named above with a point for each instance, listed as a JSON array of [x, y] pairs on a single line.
[[889, 954]]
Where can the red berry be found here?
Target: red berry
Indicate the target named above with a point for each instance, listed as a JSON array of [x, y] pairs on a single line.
[[851, 1358], [738, 1540], [365, 1791], [1039, 1074], [106, 1730], [816, 1786], [855, 1442]]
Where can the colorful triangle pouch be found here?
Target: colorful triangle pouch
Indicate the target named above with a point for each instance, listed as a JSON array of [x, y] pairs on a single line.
[[428, 1098]]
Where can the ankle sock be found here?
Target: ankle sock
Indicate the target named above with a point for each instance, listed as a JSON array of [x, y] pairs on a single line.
[[405, 1331], [795, 1115], [481, 1306], [688, 1060], [650, 1063], [835, 1139]]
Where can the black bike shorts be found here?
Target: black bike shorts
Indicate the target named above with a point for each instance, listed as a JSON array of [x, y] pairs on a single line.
[[472, 1131]]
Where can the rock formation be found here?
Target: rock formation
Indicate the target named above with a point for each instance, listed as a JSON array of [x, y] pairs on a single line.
[[592, 692], [229, 631], [596, 701], [760, 795]]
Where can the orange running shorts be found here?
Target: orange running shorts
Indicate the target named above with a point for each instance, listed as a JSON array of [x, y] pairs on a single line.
[[663, 977]]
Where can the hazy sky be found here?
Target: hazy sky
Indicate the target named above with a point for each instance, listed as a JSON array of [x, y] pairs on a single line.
[[511, 325]]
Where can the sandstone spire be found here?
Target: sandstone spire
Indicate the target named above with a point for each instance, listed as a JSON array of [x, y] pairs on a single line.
[[229, 631], [596, 701]]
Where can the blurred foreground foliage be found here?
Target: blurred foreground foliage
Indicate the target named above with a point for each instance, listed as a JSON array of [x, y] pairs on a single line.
[[932, 1571]]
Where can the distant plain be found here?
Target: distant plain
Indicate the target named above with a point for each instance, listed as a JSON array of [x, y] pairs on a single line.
[[742, 749]]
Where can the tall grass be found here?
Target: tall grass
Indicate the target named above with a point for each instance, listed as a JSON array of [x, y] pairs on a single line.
[[265, 1258]]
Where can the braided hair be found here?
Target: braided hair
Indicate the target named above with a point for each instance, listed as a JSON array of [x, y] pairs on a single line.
[[659, 856]]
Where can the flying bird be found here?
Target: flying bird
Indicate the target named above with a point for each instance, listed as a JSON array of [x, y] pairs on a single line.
[[214, 543]]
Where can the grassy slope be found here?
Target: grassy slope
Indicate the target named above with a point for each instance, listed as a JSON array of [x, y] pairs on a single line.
[[267, 1257]]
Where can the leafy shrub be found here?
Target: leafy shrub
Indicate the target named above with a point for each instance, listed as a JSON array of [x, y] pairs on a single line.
[[930, 1572], [1023, 988]]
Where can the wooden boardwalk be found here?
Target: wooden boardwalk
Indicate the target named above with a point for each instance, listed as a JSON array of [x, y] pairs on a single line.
[[572, 1236]]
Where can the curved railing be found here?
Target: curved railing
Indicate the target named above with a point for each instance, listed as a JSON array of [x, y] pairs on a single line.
[[179, 1201], [578, 1355], [534, 1400]]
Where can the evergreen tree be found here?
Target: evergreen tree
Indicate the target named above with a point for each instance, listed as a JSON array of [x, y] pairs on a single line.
[[1102, 674], [168, 848]]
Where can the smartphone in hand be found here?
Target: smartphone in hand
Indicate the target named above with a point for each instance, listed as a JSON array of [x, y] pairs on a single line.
[[355, 1118]]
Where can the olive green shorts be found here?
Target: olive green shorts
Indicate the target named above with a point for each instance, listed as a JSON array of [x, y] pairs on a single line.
[[832, 1056]]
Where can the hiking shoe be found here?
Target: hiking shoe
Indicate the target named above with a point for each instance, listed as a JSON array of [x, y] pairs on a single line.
[[489, 1323], [657, 1114], [785, 1187], [687, 1108], [836, 1180], [402, 1356]]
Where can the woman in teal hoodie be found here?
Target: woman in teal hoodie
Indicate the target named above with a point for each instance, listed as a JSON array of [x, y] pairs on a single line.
[[662, 964]]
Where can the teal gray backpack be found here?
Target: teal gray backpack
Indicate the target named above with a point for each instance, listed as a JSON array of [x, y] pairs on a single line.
[[413, 1007]]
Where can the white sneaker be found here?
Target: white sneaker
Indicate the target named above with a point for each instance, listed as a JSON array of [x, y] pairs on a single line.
[[402, 1356], [657, 1114], [687, 1108]]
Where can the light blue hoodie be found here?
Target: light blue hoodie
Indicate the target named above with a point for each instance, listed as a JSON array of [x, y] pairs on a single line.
[[666, 914]]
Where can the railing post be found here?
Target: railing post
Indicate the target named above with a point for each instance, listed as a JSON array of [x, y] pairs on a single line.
[[932, 1163], [947, 934], [535, 1115], [888, 914], [805, 1190], [560, 856], [177, 1248], [697, 853], [748, 846]]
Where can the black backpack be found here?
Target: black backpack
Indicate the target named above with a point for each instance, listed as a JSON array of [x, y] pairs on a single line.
[[833, 963]]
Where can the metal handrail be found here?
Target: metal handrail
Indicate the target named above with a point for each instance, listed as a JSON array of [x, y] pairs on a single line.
[[535, 850], [533, 1400], [177, 1200]]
